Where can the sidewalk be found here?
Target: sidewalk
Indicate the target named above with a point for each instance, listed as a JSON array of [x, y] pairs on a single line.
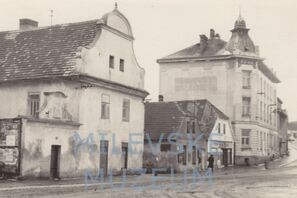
[[232, 171]]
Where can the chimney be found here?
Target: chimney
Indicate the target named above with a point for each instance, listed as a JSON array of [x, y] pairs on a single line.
[[211, 34], [28, 24], [161, 98], [218, 36], [203, 42]]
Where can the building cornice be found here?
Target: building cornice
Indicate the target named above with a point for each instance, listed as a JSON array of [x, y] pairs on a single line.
[[91, 81], [207, 58], [117, 32], [86, 82], [50, 121], [254, 123]]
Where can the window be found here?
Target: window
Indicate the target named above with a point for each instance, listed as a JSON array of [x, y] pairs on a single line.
[[264, 113], [261, 141], [185, 155], [33, 105], [105, 106], [193, 127], [126, 110], [111, 61], [194, 155], [224, 128], [122, 65], [246, 79], [182, 157], [165, 147], [261, 110], [219, 127], [245, 137], [246, 103], [188, 127]]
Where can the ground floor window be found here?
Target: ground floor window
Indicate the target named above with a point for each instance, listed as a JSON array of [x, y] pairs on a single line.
[[165, 147], [182, 157], [245, 137]]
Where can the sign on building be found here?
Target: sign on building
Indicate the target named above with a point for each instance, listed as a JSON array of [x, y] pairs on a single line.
[[10, 145]]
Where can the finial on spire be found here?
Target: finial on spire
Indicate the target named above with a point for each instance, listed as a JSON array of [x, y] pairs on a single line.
[[240, 12], [116, 5], [52, 15]]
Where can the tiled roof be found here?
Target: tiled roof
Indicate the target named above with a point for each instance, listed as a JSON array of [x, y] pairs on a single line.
[[167, 117], [44, 52], [162, 117], [214, 47], [264, 68]]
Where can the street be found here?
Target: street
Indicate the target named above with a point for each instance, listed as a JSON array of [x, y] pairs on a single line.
[[278, 181]]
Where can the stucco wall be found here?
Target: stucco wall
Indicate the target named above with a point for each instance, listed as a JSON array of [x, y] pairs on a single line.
[[14, 97], [36, 150], [95, 61], [195, 80], [90, 115]]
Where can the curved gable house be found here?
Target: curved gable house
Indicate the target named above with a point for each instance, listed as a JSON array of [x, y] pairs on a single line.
[[67, 84]]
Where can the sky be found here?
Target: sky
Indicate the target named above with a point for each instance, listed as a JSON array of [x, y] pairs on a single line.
[[161, 27]]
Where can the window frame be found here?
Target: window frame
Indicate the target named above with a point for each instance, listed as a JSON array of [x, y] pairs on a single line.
[[246, 108], [246, 79], [122, 65], [126, 117], [111, 61], [105, 107], [245, 139], [29, 101]]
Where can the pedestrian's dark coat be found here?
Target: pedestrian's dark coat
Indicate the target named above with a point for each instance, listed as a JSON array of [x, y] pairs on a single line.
[[210, 162]]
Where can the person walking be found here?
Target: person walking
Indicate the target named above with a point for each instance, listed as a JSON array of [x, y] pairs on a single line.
[[210, 162]]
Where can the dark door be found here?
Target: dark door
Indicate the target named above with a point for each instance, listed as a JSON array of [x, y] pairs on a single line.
[[225, 157], [104, 156], [55, 161], [124, 155]]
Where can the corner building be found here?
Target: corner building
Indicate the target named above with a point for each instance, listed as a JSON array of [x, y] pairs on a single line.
[[233, 77]]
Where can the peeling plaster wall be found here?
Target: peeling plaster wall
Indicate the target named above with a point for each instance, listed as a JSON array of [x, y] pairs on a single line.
[[36, 152]]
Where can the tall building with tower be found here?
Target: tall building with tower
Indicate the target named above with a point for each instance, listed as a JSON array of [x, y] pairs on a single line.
[[234, 77]]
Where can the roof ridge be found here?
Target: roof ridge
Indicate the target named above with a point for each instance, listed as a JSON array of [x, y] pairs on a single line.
[[48, 27]]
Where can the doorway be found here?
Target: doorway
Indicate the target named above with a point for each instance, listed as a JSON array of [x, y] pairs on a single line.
[[124, 157], [227, 156], [104, 156], [55, 162]]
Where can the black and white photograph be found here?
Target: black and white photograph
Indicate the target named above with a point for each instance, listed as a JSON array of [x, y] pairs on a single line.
[[148, 99]]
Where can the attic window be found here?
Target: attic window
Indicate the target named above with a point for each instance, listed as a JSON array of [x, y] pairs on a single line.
[[246, 49], [122, 65], [111, 61]]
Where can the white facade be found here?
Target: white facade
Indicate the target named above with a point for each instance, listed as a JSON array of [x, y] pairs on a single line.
[[71, 110]]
